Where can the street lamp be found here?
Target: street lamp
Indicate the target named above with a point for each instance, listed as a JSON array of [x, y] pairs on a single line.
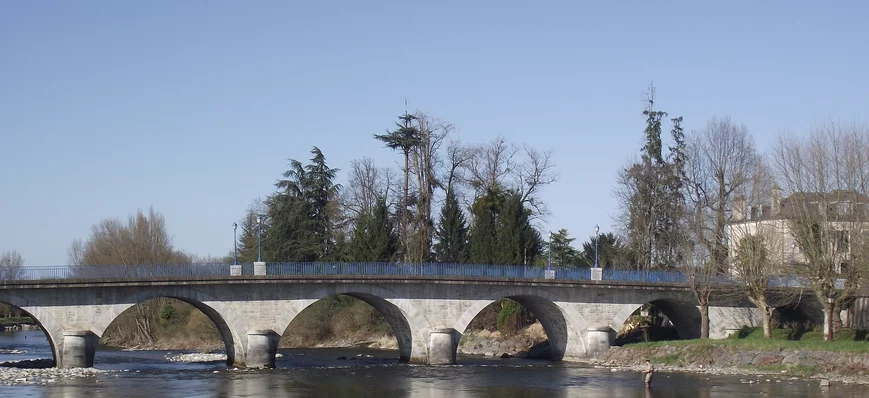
[[234, 244], [259, 223], [549, 265], [596, 239]]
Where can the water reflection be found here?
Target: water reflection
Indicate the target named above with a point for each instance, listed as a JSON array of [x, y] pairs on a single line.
[[316, 373]]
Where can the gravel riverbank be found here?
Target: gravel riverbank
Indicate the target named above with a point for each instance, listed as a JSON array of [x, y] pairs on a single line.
[[41, 372]]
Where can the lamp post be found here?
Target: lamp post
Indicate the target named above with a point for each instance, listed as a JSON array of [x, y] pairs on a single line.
[[234, 244], [549, 264], [259, 222], [596, 239]]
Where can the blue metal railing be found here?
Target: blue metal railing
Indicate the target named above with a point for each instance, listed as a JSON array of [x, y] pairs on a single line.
[[144, 272]]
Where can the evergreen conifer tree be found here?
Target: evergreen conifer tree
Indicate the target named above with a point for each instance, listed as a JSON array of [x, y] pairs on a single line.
[[452, 233]]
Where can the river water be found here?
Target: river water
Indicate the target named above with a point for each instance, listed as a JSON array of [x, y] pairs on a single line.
[[319, 373]]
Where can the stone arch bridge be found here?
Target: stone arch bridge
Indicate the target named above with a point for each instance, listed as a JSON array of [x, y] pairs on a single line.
[[428, 314]]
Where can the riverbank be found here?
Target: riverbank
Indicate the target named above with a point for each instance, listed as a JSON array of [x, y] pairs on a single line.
[[718, 357]]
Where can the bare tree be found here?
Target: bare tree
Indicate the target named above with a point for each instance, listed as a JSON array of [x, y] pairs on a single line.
[[489, 166], [827, 176], [723, 160], [497, 165], [366, 183], [756, 268], [425, 162], [536, 172], [11, 264], [75, 252], [142, 240], [457, 156]]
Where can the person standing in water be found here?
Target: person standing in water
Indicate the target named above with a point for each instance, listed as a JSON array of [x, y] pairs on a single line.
[[648, 373]]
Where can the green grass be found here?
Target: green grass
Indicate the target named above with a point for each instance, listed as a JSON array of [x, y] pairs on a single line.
[[847, 340]]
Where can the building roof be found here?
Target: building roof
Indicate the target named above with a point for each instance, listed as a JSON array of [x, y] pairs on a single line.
[[838, 203]]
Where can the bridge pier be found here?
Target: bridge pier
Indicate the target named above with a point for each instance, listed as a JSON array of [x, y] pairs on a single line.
[[442, 346], [262, 347], [598, 341], [79, 347]]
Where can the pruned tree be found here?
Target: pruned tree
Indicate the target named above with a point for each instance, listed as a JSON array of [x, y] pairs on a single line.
[[11, 264], [756, 268], [826, 175]]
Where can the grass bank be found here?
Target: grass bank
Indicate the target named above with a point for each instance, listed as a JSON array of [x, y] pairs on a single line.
[[790, 352], [846, 340]]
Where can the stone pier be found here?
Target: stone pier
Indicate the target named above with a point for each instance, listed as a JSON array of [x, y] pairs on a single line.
[[79, 347], [262, 347], [442, 346]]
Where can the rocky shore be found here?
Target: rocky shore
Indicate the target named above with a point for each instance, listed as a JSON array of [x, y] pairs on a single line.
[[41, 372], [756, 365]]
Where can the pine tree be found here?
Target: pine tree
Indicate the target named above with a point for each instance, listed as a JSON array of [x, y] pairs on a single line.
[[299, 222], [247, 239], [452, 233], [406, 137], [373, 237]]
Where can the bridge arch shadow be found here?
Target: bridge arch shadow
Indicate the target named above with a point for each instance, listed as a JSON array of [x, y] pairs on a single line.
[[25, 353], [306, 325], [544, 309], [408, 325], [684, 316], [225, 321]]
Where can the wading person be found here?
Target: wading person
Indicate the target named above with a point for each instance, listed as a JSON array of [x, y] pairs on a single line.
[[647, 374]]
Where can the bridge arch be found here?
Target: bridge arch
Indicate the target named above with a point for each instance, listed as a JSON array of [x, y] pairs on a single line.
[[563, 328], [684, 315], [228, 323], [50, 326], [408, 324]]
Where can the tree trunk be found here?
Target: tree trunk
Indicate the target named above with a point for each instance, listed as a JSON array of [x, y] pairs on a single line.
[[828, 320], [404, 206], [767, 323], [837, 317], [704, 320]]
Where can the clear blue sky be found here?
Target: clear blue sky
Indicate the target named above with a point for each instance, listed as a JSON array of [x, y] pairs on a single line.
[[194, 107]]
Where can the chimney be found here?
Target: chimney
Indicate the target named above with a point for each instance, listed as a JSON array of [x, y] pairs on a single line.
[[775, 194], [737, 210]]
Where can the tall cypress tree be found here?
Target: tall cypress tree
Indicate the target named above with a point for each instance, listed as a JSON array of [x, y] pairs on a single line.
[[452, 233], [517, 240], [482, 244], [373, 237]]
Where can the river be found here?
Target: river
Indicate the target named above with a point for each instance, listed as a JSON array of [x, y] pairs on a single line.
[[319, 373]]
